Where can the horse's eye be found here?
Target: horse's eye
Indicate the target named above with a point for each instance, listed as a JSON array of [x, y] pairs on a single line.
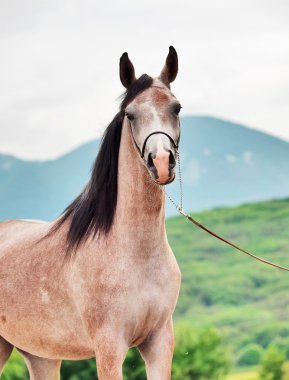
[[129, 115], [177, 109]]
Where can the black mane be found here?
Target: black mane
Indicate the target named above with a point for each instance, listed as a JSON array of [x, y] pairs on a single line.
[[93, 210]]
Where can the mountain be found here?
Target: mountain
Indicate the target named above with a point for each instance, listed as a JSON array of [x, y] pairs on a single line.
[[223, 163]]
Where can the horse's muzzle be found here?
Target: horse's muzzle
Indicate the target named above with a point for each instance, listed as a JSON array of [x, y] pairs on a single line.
[[162, 165]]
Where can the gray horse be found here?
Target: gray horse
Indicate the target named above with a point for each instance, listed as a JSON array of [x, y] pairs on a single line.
[[102, 278]]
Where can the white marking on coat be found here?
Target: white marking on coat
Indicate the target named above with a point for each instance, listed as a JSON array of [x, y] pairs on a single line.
[[44, 296]]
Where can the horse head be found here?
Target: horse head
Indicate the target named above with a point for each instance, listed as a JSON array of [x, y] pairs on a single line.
[[153, 116]]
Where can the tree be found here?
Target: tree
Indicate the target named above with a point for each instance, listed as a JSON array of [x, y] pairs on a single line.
[[272, 364], [78, 370], [134, 368], [250, 355], [15, 369], [199, 355]]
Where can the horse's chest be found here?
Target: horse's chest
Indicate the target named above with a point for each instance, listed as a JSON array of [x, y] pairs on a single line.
[[135, 297], [158, 292], [152, 300]]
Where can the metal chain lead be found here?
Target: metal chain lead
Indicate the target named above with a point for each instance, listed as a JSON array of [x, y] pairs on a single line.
[[179, 208], [180, 178]]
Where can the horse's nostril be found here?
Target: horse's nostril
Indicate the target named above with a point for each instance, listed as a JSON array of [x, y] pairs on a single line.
[[150, 162], [172, 161]]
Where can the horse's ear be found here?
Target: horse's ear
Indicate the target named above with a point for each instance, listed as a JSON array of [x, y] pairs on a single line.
[[126, 71], [170, 70]]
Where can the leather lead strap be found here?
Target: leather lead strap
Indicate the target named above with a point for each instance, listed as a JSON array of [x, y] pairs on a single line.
[[229, 243]]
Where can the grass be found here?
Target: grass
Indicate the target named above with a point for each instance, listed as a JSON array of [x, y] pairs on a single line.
[[246, 375]]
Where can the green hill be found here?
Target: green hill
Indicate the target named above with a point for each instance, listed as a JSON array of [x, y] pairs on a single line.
[[247, 301]]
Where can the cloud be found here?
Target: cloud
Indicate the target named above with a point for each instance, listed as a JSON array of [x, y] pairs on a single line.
[[6, 166], [248, 157], [231, 158], [59, 64], [192, 173], [207, 152]]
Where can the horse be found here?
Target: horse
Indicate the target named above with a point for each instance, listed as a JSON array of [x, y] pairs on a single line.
[[102, 278]]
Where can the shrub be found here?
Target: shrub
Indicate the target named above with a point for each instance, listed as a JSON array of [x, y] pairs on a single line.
[[250, 355], [199, 355], [272, 364]]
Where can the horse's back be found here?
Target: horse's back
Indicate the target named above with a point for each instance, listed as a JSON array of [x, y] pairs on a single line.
[[18, 233]]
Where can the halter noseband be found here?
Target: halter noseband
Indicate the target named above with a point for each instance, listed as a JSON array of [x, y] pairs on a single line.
[[175, 145]]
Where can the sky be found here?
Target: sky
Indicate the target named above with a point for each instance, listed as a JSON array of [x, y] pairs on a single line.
[[59, 79]]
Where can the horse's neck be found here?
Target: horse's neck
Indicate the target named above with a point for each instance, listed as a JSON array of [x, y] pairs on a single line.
[[140, 202]]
